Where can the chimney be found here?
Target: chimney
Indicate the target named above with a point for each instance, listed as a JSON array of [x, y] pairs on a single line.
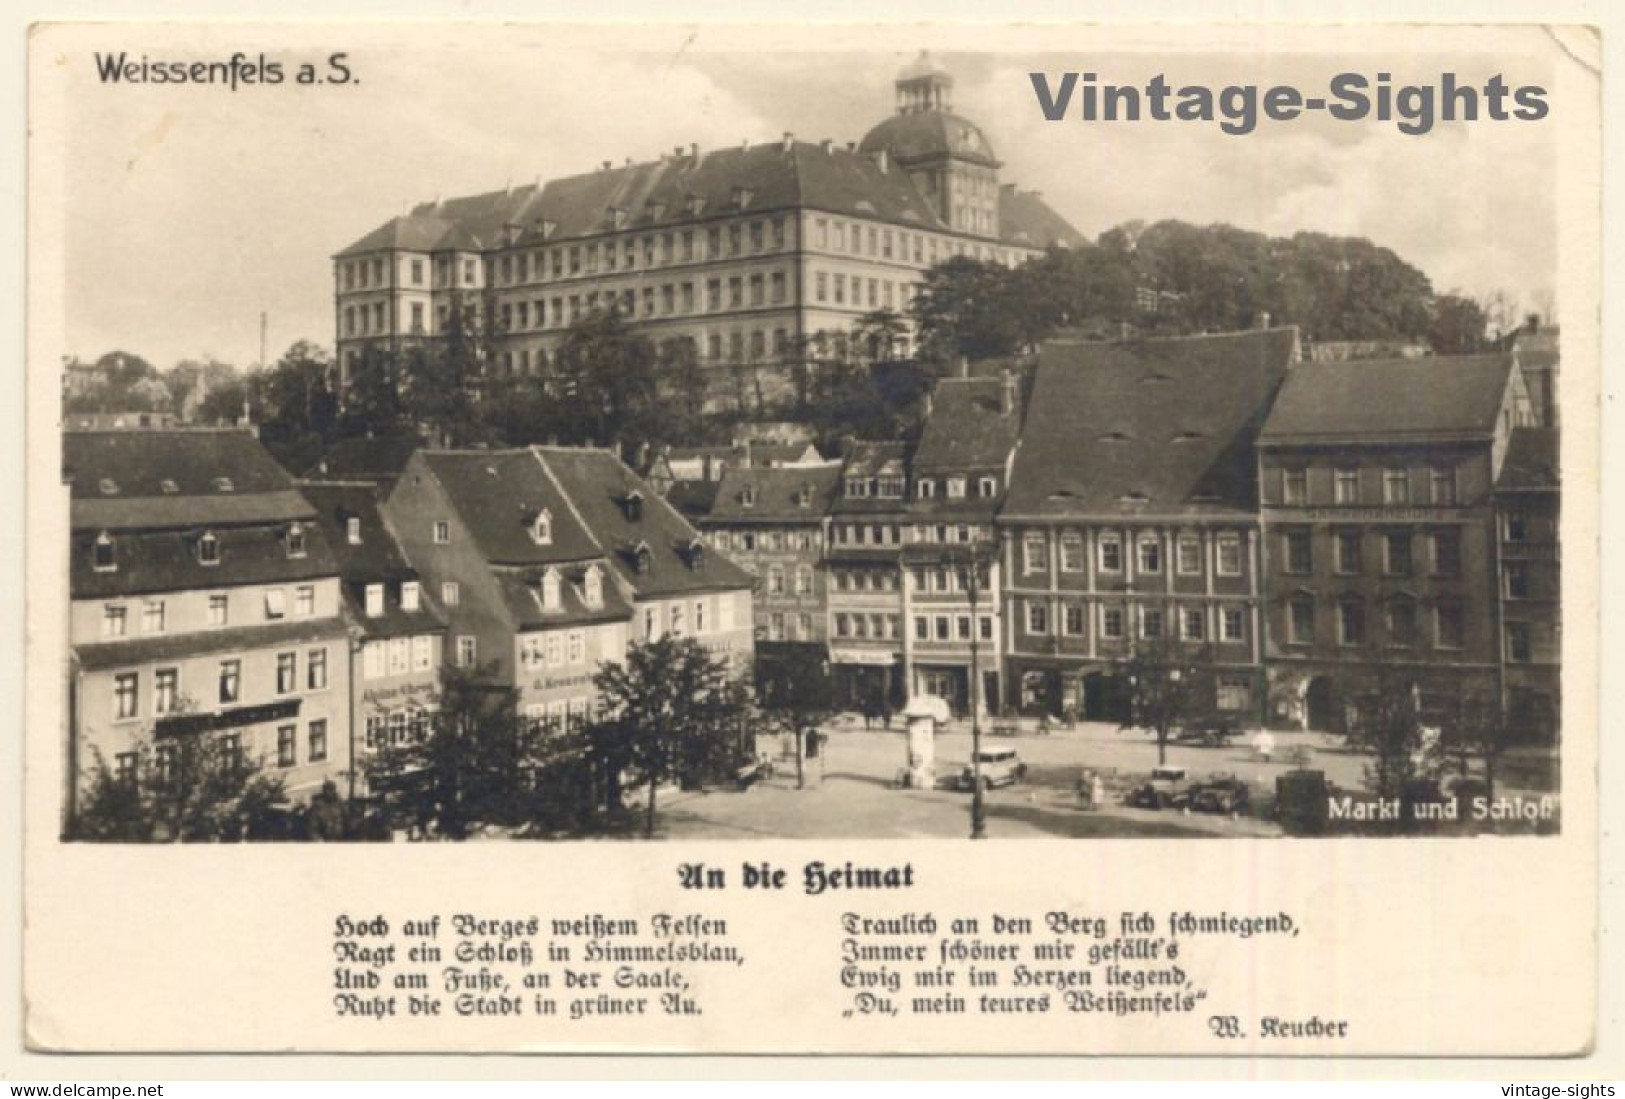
[[851, 146], [826, 145], [1007, 393], [1261, 319], [1531, 323], [606, 165], [881, 159], [789, 141], [676, 151], [694, 149]]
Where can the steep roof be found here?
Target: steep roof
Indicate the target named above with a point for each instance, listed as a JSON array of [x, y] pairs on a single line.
[[967, 428], [522, 592], [692, 499], [1455, 396], [377, 556], [498, 494], [151, 561], [778, 492], [686, 186], [1025, 218], [921, 135], [866, 460], [1157, 427], [175, 477], [598, 485], [1532, 460], [1539, 349]]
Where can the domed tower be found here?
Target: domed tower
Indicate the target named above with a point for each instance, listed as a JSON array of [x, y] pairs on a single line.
[[947, 156]]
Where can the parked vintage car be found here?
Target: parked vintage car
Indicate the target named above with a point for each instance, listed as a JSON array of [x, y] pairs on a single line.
[[1220, 793], [999, 766], [1165, 789]]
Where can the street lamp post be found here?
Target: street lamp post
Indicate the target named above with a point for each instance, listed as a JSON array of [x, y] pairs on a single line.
[[978, 809], [968, 562]]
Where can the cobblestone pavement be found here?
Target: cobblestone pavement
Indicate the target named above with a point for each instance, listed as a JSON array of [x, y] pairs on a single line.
[[851, 790]]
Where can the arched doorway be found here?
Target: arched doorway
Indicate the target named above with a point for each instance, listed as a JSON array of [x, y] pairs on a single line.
[[1320, 706]]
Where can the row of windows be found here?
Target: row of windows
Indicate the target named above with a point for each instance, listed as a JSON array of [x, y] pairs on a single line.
[[155, 615], [561, 715], [1187, 623], [839, 288], [946, 627], [104, 553], [671, 299], [1398, 552], [166, 691], [878, 627], [397, 656], [890, 534], [287, 750], [1399, 487], [648, 250], [799, 627], [947, 580], [1149, 550], [556, 649], [921, 249], [859, 580], [397, 728], [1400, 618], [801, 579], [768, 541], [673, 620]]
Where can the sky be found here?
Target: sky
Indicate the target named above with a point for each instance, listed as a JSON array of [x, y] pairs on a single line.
[[189, 211]]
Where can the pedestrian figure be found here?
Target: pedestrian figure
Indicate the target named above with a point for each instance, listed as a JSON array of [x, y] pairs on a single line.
[[1264, 744]]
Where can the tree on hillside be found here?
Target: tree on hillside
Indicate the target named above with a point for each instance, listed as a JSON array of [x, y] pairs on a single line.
[[669, 713], [965, 308], [1458, 326], [606, 375]]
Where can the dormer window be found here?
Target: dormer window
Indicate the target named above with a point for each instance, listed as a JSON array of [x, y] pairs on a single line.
[[926, 488], [747, 496], [642, 558], [169, 487], [956, 488], [296, 540], [551, 595], [102, 555], [409, 595], [352, 530], [375, 600], [208, 550], [804, 496], [541, 528], [988, 487], [108, 486], [592, 587], [742, 197], [633, 504], [889, 488], [223, 484], [857, 486], [696, 555]]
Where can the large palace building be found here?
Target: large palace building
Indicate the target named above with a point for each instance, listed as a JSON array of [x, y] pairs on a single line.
[[740, 253]]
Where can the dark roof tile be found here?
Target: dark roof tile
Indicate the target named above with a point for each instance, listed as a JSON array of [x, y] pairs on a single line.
[[1390, 399], [1158, 427]]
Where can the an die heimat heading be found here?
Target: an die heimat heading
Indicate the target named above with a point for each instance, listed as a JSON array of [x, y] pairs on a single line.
[[816, 877]]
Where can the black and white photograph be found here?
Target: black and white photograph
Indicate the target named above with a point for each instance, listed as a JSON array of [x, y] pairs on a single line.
[[783, 458], [819, 483]]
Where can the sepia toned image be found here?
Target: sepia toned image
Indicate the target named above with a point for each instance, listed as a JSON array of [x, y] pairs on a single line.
[[786, 456]]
